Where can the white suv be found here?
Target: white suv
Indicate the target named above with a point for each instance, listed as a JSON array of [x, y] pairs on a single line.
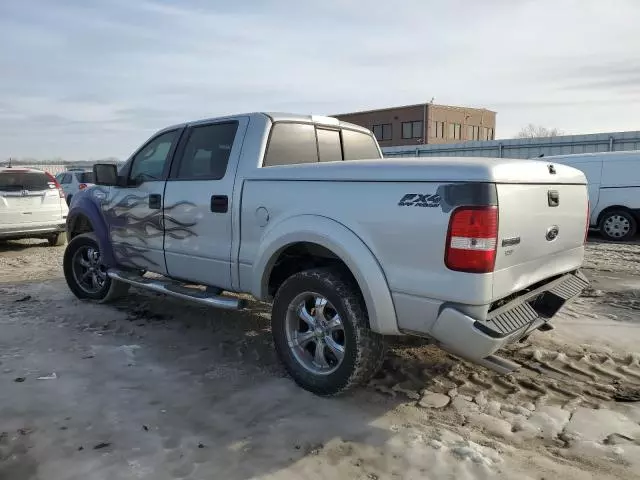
[[32, 205], [73, 181]]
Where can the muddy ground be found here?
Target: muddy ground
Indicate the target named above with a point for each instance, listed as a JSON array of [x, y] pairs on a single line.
[[154, 388]]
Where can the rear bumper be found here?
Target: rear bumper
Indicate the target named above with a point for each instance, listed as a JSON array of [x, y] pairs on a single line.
[[541, 303], [27, 231], [457, 333], [475, 339]]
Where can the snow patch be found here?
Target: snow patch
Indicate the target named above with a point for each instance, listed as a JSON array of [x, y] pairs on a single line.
[[596, 425]]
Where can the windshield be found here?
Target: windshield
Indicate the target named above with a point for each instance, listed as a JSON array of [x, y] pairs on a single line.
[[22, 180], [85, 177]]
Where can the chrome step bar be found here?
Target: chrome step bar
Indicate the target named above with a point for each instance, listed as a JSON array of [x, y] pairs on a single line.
[[178, 290]]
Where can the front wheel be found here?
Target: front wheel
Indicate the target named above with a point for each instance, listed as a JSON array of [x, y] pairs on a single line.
[[321, 333], [618, 225], [85, 273]]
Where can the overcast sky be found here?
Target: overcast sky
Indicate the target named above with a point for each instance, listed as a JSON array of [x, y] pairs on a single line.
[[84, 79]]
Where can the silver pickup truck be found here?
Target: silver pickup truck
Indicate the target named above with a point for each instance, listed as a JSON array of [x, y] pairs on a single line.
[[303, 212]]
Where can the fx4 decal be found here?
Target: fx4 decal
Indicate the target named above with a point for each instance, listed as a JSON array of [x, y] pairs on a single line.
[[420, 200]]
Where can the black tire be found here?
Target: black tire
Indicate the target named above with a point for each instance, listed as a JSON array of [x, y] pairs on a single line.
[[57, 240], [618, 225], [110, 290], [363, 349]]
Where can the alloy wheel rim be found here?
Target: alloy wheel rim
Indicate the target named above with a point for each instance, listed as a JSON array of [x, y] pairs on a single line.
[[88, 271], [315, 333]]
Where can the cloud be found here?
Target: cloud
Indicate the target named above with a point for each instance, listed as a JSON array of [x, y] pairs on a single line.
[[94, 79], [618, 77]]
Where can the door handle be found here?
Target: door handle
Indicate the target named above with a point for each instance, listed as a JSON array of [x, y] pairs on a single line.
[[219, 203], [155, 201]]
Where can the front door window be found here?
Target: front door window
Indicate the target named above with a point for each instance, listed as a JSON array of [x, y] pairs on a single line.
[[150, 163]]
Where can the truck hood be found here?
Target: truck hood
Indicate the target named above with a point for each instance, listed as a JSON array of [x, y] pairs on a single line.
[[431, 169]]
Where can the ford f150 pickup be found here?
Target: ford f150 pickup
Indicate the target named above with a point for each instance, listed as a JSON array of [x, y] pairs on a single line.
[[303, 212]]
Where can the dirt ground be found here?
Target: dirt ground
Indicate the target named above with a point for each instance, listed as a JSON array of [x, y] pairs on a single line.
[[153, 388]]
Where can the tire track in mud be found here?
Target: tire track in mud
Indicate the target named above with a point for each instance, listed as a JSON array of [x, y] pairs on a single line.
[[532, 408], [546, 377]]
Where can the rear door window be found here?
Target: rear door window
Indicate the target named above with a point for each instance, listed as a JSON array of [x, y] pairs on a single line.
[[359, 146], [291, 143], [329, 147], [17, 181], [206, 153]]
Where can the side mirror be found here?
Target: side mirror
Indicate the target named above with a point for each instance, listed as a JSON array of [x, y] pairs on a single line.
[[105, 174]]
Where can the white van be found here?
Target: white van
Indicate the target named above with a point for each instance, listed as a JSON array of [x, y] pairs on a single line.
[[614, 190]]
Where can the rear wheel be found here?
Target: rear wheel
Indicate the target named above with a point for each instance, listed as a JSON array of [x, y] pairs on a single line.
[[85, 273], [57, 240], [321, 333], [618, 225]]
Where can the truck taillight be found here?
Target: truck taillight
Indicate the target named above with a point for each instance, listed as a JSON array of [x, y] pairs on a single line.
[[586, 229], [53, 180], [472, 240], [82, 186]]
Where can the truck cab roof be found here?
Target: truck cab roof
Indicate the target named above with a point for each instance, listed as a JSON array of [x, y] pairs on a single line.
[[278, 117]]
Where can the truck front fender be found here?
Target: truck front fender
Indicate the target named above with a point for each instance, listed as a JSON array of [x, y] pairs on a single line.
[[87, 204], [347, 246]]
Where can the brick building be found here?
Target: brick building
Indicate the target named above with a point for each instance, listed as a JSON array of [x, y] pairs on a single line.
[[425, 123]]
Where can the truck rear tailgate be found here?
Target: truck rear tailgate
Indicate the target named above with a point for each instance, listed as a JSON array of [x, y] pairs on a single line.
[[541, 233]]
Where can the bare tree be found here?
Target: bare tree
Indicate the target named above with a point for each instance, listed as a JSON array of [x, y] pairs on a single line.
[[538, 131]]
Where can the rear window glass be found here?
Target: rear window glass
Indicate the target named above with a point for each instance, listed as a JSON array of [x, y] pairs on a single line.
[[294, 143], [64, 178], [17, 181], [291, 143], [85, 177], [359, 146], [329, 148]]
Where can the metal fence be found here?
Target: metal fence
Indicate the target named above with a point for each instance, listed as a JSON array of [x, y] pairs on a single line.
[[53, 167], [525, 147]]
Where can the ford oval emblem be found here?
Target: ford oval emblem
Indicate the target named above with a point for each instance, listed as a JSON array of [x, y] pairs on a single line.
[[552, 233]]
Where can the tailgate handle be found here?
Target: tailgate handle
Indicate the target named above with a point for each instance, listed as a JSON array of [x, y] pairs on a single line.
[[554, 198]]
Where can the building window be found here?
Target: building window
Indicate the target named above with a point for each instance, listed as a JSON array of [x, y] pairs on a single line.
[[382, 131], [473, 133], [411, 129], [455, 131], [437, 129]]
